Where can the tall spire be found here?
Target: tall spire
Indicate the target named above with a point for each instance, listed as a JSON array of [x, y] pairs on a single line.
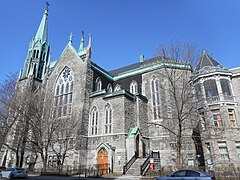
[[42, 32], [38, 51]]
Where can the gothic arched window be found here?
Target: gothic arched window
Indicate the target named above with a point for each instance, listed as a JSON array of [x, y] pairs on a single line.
[[155, 97], [94, 121], [98, 84], [63, 94], [108, 120], [109, 88], [134, 87]]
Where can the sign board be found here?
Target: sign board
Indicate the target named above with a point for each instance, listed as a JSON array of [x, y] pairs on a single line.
[[151, 166]]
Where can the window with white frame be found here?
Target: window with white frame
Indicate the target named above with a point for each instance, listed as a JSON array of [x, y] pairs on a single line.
[[134, 87], [117, 88], [94, 121], [217, 120], [226, 88], [108, 120], [63, 94], [223, 151], [232, 117], [155, 97], [210, 87], [238, 148], [98, 84]]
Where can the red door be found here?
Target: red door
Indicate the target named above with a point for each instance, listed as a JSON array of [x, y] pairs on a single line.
[[102, 161]]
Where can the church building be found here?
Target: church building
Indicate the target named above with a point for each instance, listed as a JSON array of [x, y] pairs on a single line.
[[115, 115]]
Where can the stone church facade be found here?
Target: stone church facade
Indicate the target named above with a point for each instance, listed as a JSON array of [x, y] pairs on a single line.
[[113, 109]]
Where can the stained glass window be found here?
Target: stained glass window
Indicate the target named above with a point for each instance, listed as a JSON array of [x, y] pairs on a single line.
[[232, 118], [217, 120], [63, 92]]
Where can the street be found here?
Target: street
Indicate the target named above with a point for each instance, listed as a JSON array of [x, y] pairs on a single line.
[[38, 177]]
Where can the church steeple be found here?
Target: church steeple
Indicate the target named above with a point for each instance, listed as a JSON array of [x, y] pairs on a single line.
[[42, 32], [38, 51]]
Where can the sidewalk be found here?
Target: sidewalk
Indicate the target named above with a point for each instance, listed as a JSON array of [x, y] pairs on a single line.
[[129, 177]]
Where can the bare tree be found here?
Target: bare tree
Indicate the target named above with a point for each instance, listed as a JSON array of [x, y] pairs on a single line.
[[179, 115], [42, 124], [64, 140], [29, 124], [6, 95]]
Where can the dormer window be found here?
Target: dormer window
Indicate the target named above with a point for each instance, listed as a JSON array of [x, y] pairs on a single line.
[[117, 88], [98, 84], [134, 87], [109, 88]]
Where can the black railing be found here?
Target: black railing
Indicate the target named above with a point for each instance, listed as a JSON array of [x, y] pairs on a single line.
[[129, 163], [144, 167], [156, 155]]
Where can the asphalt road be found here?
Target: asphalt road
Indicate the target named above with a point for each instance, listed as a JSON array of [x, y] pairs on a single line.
[[37, 177]]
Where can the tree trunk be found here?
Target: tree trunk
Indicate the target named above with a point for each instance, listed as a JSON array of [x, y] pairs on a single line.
[[179, 162], [24, 144], [44, 161], [22, 157], [17, 159]]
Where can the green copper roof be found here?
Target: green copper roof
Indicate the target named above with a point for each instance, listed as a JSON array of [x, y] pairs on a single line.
[[140, 69], [42, 32], [52, 64], [132, 132]]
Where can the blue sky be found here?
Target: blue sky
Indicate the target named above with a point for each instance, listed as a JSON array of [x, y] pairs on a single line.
[[122, 30]]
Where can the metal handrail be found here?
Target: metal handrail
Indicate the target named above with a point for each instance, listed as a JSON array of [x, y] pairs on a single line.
[[145, 165], [129, 163]]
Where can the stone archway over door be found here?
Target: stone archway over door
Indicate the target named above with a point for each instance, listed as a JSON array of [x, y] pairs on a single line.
[[102, 161]]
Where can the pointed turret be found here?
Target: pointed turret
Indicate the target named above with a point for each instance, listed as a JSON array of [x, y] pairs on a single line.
[[207, 64], [84, 52], [38, 51], [81, 47], [89, 47], [70, 38]]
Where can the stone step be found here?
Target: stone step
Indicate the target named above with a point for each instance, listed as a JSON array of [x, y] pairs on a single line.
[[134, 170]]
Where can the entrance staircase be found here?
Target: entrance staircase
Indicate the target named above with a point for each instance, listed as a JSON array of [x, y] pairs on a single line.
[[140, 166], [135, 169]]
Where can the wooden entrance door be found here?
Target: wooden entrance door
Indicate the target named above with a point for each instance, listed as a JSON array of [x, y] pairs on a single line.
[[137, 146], [102, 161]]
